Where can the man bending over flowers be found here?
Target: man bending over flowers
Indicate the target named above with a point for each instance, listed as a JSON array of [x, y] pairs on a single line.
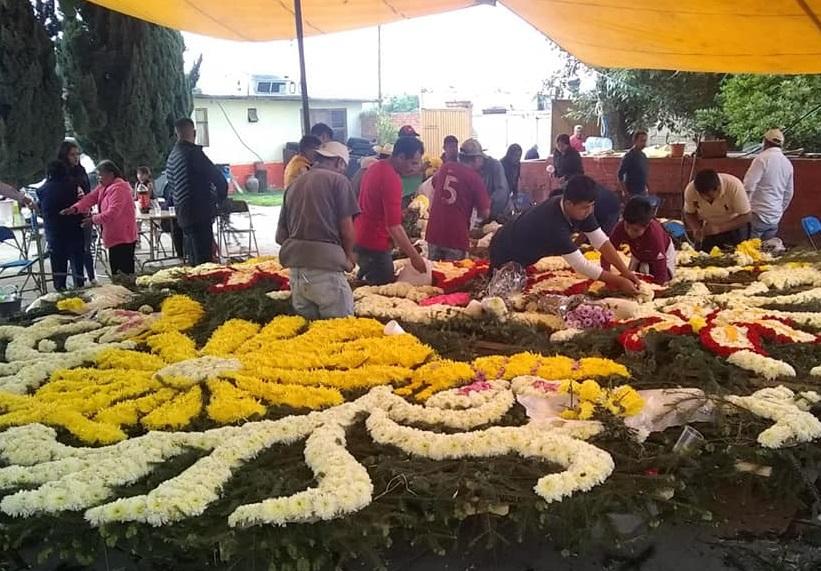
[[316, 232], [546, 230]]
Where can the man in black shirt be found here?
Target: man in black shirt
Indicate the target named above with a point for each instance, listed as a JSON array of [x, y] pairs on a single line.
[[567, 161], [547, 229], [607, 209], [633, 169]]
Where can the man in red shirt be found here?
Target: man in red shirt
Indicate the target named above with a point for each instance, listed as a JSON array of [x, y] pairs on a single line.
[[458, 190], [380, 201], [651, 249]]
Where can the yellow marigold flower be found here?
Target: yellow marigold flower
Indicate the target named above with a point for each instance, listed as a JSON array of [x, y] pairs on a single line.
[[229, 336], [590, 390], [282, 327], [178, 313], [172, 346], [176, 413], [697, 322], [230, 404], [625, 401], [437, 376], [72, 304], [569, 414], [127, 413], [294, 396], [128, 360], [586, 410], [716, 252], [593, 255]]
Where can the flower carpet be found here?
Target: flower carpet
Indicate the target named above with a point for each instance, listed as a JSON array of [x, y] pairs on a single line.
[[195, 403]]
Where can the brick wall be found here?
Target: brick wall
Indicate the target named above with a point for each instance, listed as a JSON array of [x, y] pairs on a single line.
[[668, 177]]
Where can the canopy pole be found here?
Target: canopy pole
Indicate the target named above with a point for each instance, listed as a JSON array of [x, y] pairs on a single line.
[[300, 40], [379, 63]]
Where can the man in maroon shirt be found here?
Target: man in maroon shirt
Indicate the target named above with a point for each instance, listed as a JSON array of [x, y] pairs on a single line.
[[651, 249], [458, 191], [380, 220]]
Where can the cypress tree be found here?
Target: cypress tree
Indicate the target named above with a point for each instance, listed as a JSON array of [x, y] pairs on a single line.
[[125, 85], [31, 111]]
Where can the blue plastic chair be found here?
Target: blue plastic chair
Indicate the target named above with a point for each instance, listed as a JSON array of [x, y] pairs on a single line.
[[812, 226], [22, 265]]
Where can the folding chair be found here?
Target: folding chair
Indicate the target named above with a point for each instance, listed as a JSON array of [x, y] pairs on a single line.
[[812, 227], [235, 229], [23, 265]]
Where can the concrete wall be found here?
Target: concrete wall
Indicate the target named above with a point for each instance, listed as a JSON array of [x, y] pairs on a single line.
[[668, 177], [235, 141]]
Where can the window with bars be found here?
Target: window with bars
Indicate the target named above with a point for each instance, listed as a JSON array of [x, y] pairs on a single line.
[[336, 119]]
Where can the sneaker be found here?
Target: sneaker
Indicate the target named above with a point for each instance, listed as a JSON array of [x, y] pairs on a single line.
[[93, 283]]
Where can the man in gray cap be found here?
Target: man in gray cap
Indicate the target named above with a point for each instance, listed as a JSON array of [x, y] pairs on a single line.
[[769, 186], [316, 232]]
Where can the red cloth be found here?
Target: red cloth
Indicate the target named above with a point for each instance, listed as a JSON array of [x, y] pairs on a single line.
[[577, 143], [380, 201], [649, 248], [457, 191], [460, 299]]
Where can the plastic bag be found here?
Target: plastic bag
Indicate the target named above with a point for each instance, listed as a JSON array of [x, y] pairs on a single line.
[[409, 274], [507, 281]]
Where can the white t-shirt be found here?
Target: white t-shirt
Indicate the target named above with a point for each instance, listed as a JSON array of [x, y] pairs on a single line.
[[769, 185]]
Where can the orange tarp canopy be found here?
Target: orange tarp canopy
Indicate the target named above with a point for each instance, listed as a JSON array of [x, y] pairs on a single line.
[[756, 36]]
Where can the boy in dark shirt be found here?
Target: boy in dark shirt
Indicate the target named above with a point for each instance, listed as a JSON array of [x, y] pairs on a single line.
[[651, 248]]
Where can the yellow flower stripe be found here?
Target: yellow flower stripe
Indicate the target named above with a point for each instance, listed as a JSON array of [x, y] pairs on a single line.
[[282, 327], [293, 396], [176, 413], [130, 360], [364, 377], [178, 313], [229, 336], [172, 346], [72, 304], [230, 404], [557, 367], [127, 413], [587, 396], [437, 376]]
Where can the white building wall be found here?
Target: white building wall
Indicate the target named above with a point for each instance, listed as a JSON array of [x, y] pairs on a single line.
[[232, 139], [497, 132]]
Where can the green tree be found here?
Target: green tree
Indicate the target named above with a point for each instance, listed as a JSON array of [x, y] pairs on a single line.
[[31, 113], [633, 98], [748, 105], [125, 84], [401, 104]]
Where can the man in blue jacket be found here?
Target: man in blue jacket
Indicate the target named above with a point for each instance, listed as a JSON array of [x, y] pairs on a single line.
[[197, 187]]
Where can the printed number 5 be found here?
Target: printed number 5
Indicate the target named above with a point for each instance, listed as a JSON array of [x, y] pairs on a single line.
[[447, 188]]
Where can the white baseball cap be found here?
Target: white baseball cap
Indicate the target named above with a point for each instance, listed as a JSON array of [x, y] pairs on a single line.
[[775, 136], [335, 149]]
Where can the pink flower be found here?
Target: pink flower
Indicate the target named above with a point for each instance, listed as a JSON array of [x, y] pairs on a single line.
[[474, 387]]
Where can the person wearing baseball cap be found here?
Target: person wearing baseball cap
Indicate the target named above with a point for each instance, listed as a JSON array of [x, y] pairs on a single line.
[[458, 191], [407, 131], [316, 232], [769, 184]]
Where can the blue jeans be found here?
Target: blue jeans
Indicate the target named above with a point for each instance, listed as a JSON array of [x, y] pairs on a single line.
[[64, 251], [442, 254], [760, 229], [320, 294], [375, 268]]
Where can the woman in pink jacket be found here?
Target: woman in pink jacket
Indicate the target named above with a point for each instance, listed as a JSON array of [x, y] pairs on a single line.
[[117, 216]]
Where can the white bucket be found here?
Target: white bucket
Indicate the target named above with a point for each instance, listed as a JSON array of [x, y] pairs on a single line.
[[6, 212]]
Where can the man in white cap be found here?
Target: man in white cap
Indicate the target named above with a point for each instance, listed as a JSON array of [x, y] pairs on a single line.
[[458, 191], [769, 186], [316, 232]]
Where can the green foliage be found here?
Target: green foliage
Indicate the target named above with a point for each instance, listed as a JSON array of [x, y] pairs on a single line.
[[31, 114], [125, 84], [748, 105], [633, 99], [386, 131], [404, 103]]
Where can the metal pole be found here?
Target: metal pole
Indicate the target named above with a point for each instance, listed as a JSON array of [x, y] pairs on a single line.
[[300, 40], [379, 63]]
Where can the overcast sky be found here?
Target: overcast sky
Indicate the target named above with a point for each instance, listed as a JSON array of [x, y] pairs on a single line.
[[484, 51]]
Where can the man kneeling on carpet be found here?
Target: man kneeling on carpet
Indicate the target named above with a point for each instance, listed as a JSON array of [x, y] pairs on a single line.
[[651, 249], [316, 232], [547, 230]]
